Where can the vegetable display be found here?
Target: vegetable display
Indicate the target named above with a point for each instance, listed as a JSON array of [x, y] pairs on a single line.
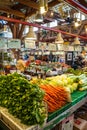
[[23, 99], [55, 96]]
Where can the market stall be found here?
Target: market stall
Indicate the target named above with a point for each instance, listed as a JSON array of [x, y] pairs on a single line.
[[43, 73]]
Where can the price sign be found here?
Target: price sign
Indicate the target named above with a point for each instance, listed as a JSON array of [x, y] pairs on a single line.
[[71, 48], [14, 43], [42, 45], [30, 44], [52, 47], [3, 43], [66, 47], [85, 48], [60, 47], [77, 48]]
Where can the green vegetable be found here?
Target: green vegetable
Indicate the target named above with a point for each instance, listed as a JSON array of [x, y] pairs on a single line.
[[23, 99]]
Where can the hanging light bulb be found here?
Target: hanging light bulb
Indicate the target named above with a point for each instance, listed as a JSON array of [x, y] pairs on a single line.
[[46, 5], [77, 23], [76, 41], [42, 7], [86, 28], [31, 34], [59, 38]]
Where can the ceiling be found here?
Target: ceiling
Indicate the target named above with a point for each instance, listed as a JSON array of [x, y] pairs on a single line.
[[21, 9], [25, 9]]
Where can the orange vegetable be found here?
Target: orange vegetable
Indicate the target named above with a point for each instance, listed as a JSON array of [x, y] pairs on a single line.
[[55, 96]]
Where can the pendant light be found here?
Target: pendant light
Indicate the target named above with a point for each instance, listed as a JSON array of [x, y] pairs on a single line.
[[86, 28], [42, 7], [38, 18], [46, 5], [76, 41], [31, 34], [59, 39]]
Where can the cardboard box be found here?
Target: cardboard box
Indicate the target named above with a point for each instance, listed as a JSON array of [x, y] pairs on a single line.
[[80, 124], [66, 124]]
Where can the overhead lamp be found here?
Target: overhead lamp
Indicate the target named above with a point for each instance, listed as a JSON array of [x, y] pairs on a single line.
[[86, 28], [31, 34], [76, 41], [42, 7], [46, 5], [59, 39], [38, 18], [77, 23]]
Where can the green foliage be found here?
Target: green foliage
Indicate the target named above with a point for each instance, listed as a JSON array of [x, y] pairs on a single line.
[[23, 99]]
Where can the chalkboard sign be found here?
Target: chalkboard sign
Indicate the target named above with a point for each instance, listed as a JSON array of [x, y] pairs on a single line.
[[14, 43]]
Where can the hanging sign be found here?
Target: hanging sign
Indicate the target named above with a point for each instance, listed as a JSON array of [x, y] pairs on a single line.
[[71, 48], [30, 44], [60, 47], [42, 45], [85, 48], [77, 48], [14, 43], [3, 43], [65, 47], [52, 47]]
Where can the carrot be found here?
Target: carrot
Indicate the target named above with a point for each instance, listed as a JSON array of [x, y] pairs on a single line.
[[55, 96]]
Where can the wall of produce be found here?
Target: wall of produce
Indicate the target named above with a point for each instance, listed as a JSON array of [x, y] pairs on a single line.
[[30, 101]]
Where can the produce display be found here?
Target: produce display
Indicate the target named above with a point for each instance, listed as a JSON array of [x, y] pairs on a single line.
[[83, 82], [75, 72], [55, 96], [70, 82], [23, 99], [57, 89]]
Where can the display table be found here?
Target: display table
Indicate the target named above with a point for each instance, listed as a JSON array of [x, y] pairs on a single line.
[[78, 99]]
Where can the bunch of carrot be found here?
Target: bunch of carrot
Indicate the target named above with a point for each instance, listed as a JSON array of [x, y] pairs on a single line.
[[55, 96]]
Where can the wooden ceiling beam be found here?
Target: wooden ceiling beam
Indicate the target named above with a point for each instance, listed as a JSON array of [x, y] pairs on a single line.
[[11, 11], [53, 3], [6, 3], [29, 3]]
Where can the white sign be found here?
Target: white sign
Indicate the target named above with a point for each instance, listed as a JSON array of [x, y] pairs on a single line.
[[66, 47], [14, 43], [42, 45], [71, 48], [52, 47], [85, 48], [60, 46], [77, 48], [30, 44], [3, 43]]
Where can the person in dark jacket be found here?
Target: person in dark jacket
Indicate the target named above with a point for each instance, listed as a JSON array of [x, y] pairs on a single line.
[[79, 62]]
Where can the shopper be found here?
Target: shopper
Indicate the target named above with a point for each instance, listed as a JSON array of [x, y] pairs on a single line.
[[79, 62]]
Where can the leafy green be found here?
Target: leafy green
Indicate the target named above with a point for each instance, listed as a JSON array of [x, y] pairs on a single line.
[[23, 99]]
